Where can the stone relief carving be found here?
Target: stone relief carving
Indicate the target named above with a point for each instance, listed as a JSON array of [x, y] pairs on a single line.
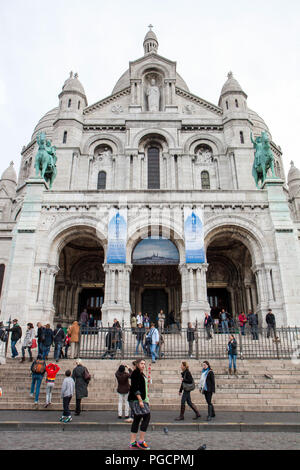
[[117, 109], [189, 109]]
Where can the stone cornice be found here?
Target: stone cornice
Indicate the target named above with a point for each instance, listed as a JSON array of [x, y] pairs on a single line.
[[110, 99]]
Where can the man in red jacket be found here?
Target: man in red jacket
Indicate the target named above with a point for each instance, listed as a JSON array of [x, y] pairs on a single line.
[[51, 370]]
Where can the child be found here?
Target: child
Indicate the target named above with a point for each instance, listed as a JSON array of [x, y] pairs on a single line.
[[67, 391], [51, 370], [67, 345]]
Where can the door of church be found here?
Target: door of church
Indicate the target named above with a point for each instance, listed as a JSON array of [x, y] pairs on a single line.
[[92, 300], [218, 299], [154, 300]]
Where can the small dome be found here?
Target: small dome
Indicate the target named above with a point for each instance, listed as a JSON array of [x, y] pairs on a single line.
[[231, 85], [259, 124], [73, 84], [10, 174], [151, 35]]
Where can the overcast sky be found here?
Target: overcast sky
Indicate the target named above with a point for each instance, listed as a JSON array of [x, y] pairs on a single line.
[[42, 41]]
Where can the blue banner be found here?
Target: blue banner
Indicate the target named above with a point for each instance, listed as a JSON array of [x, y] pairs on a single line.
[[194, 236], [117, 237]]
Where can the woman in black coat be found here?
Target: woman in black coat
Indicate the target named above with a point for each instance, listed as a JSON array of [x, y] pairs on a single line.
[[207, 387], [139, 405], [79, 375], [187, 381]]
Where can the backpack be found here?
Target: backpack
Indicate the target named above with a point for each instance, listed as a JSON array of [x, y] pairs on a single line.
[[39, 367]]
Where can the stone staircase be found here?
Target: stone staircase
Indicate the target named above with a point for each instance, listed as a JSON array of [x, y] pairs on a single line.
[[260, 385]]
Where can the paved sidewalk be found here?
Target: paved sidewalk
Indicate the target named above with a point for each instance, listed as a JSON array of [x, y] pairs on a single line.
[[108, 421]]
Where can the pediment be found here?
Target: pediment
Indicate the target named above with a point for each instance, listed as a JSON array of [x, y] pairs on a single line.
[[191, 105]]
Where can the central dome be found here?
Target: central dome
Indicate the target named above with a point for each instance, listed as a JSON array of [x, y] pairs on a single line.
[[124, 82]]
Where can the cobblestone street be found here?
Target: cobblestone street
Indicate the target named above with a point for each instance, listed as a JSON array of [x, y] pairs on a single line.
[[93, 440]]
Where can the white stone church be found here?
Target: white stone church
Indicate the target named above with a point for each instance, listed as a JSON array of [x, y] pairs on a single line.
[[153, 152]]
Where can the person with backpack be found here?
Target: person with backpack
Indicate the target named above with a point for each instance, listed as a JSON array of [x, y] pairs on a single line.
[[67, 392], [81, 378], [58, 338], [153, 340], [52, 370], [27, 343], [16, 335], [122, 377], [140, 333], [38, 369], [47, 341]]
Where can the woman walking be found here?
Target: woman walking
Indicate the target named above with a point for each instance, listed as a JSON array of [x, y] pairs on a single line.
[[81, 378], [232, 353], [187, 385], [207, 387], [139, 405], [27, 343]]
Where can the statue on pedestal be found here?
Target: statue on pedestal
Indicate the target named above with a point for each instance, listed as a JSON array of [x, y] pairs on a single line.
[[153, 95], [45, 160], [264, 158]]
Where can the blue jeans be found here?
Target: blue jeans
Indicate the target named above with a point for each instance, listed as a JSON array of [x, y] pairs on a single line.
[[139, 342], [225, 326], [153, 349], [45, 351], [57, 351], [36, 380], [232, 359], [243, 329], [14, 352]]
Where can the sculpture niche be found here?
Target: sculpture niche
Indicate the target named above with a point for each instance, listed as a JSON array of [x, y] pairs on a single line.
[[153, 95], [45, 160], [263, 160]]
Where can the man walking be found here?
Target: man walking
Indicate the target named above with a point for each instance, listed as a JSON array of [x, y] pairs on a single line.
[[271, 323], [153, 338], [253, 323], [16, 334], [207, 325]]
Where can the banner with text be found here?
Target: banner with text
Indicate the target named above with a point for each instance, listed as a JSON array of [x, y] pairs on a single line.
[[117, 236], [194, 236]]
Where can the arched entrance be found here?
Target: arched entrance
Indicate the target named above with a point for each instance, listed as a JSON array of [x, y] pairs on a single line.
[[230, 281], [80, 281], [155, 282]]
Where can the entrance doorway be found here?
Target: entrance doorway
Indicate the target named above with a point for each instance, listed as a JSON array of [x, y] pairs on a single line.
[[218, 299], [153, 301], [92, 300]]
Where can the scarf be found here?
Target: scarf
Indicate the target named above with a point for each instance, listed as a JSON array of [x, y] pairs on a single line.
[[202, 384]]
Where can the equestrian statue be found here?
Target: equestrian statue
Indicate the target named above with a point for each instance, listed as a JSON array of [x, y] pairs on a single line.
[[264, 158], [45, 160]]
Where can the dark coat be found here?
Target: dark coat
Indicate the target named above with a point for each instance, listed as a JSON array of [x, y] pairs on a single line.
[[186, 378], [81, 386], [59, 336], [270, 319], [190, 334], [252, 319], [16, 333], [232, 348], [48, 337], [123, 382], [208, 321], [210, 382], [138, 386]]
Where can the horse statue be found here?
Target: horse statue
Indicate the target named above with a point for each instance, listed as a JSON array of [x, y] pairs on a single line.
[[264, 158], [45, 160]]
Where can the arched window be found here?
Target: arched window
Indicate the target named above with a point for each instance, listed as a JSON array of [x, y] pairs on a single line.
[[205, 181], [65, 137], [242, 137], [236, 103], [227, 106], [153, 168], [101, 180], [69, 103], [79, 103]]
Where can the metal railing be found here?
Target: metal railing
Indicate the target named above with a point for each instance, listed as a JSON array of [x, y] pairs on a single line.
[[105, 343]]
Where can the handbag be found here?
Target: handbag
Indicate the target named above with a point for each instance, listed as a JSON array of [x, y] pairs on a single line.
[[33, 344], [138, 410], [188, 387], [86, 375]]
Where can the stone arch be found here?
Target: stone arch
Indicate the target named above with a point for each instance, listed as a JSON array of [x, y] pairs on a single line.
[[214, 142], [153, 139], [155, 67], [156, 131], [70, 229], [114, 142], [247, 232]]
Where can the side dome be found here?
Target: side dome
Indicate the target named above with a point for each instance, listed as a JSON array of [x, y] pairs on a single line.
[[45, 124], [231, 85], [124, 82], [10, 174], [259, 124], [73, 84]]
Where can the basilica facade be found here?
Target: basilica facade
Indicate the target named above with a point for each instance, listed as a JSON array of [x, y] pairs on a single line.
[[150, 154]]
